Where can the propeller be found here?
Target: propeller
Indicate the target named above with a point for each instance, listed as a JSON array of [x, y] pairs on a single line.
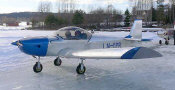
[[17, 43]]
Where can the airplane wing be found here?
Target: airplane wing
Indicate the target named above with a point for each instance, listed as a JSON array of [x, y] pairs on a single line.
[[115, 53]]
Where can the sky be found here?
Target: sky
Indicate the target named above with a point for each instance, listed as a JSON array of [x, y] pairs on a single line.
[[9, 6]]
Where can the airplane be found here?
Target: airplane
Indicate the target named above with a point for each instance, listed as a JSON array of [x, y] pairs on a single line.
[[75, 42], [163, 33]]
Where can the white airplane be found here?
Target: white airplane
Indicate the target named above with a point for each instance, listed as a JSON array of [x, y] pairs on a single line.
[[75, 42]]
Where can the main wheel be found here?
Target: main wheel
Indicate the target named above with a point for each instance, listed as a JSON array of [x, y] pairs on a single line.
[[81, 70], [166, 42], [57, 62], [160, 42], [37, 68]]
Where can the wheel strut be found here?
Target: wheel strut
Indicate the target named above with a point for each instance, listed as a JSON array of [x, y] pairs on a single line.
[[81, 69], [82, 64], [38, 66]]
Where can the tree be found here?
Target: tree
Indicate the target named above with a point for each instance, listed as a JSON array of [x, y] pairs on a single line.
[[169, 15], [78, 17], [44, 8], [117, 16], [52, 22], [127, 18], [34, 22], [161, 15], [154, 18], [96, 17], [173, 10]]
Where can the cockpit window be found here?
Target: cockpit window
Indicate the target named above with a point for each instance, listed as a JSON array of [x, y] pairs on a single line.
[[73, 33]]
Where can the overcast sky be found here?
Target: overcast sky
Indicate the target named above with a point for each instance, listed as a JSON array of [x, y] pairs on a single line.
[[8, 6]]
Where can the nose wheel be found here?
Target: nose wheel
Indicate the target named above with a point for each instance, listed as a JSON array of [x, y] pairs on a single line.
[[81, 69], [160, 42], [38, 66], [57, 62]]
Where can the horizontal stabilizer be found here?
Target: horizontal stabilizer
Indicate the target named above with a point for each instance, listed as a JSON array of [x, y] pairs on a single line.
[[141, 53]]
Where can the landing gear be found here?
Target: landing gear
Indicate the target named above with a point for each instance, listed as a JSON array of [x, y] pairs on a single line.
[[38, 66], [160, 42], [166, 42], [81, 69], [57, 62], [168, 38]]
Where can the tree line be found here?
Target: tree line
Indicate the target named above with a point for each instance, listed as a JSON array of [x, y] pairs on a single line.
[[96, 18], [163, 14]]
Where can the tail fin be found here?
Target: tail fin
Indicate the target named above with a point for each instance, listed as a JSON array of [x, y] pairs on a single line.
[[136, 31]]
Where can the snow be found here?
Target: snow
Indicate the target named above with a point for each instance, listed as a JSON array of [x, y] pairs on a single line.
[[14, 55], [16, 71]]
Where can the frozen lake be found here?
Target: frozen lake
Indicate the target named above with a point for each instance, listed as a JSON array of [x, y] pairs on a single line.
[[16, 70]]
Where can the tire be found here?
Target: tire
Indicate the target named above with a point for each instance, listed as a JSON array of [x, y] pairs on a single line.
[[57, 62], [36, 69], [79, 71], [166, 42], [160, 42]]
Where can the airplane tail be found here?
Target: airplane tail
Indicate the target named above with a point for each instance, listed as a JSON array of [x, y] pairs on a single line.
[[136, 31]]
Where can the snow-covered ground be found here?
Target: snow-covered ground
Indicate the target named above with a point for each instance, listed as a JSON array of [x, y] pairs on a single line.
[[16, 71], [10, 56]]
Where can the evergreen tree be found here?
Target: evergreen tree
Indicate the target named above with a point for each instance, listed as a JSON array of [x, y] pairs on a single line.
[[127, 18], [78, 17], [52, 22], [154, 18], [161, 15]]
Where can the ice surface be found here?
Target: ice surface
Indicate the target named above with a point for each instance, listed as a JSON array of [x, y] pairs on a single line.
[[147, 74]]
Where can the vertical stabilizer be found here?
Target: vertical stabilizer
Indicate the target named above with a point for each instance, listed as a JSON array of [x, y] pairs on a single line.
[[136, 31]]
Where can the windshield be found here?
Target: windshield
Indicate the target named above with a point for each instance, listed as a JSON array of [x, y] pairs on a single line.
[[73, 33]]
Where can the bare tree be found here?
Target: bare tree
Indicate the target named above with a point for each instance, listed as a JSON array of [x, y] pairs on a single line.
[[109, 13], [72, 6], [97, 16], [44, 9], [66, 6]]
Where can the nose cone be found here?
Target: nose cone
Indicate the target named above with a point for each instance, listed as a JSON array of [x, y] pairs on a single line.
[[14, 43], [33, 46], [17, 43]]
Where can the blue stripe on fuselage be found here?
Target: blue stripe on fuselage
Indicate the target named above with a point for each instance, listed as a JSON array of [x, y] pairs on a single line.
[[147, 39], [129, 36]]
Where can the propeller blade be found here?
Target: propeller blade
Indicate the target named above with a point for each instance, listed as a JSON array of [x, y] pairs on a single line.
[[17, 43]]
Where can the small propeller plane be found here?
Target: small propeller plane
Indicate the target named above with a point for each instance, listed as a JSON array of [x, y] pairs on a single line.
[[75, 42]]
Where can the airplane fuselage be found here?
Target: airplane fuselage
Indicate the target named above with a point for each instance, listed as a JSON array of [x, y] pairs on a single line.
[[61, 47]]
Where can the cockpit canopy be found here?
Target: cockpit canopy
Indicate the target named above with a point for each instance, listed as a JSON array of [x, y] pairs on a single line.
[[73, 33]]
